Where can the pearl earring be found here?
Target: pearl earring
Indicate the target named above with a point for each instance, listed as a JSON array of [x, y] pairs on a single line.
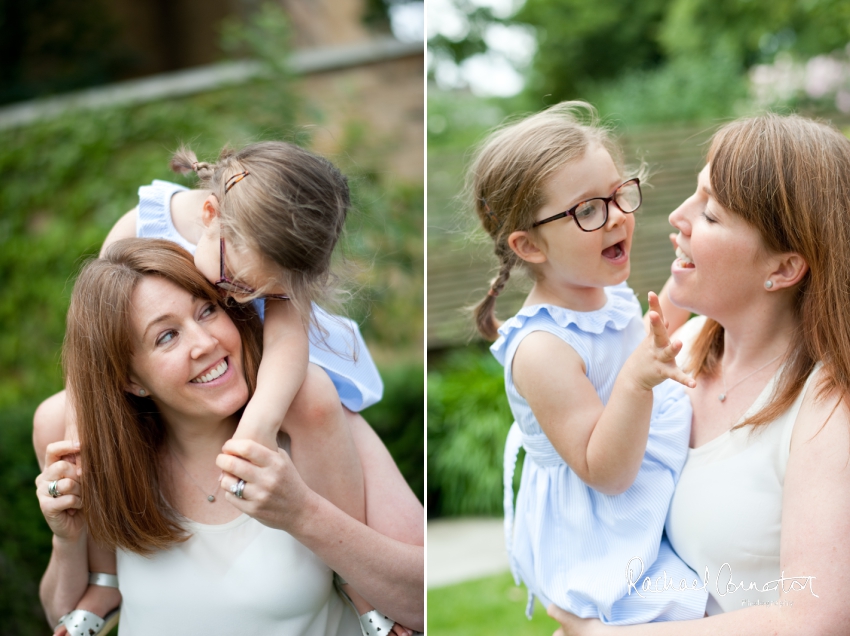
[[142, 392], [768, 284]]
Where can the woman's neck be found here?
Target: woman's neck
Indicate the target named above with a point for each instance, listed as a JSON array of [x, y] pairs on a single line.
[[758, 335], [198, 440]]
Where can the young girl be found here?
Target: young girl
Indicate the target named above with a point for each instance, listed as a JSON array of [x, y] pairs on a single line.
[[263, 228], [597, 407]]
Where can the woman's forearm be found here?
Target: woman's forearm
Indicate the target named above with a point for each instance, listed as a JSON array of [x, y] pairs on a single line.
[[66, 578], [786, 619], [387, 573]]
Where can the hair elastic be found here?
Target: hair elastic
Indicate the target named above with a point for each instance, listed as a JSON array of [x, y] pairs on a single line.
[[492, 292], [488, 211]]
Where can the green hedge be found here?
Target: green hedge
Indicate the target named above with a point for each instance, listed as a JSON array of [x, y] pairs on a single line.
[[468, 421]]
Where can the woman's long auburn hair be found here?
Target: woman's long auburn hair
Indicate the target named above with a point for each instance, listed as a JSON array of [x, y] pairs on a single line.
[[789, 178], [121, 434]]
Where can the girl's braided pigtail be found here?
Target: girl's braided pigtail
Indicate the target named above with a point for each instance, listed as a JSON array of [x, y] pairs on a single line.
[[485, 311]]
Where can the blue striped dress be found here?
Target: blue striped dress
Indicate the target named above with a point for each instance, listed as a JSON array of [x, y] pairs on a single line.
[[342, 354], [584, 551]]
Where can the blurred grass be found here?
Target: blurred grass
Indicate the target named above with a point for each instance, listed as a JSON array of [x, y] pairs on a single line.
[[66, 181], [484, 607]]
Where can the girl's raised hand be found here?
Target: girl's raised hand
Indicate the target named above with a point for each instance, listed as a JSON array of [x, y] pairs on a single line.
[[655, 358], [61, 512]]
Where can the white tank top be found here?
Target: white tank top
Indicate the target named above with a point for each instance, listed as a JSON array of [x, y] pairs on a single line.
[[726, 511], [239, 578]]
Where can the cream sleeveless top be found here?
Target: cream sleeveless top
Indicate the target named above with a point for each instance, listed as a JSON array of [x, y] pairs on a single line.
[[725, 515], [239, 578]]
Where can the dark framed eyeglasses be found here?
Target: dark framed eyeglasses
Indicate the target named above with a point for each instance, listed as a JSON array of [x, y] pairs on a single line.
[[592, 214], [230, 285]]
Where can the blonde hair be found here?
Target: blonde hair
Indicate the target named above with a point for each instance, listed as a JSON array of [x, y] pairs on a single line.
[[789, 178], [290, 208], [121, 434], [506, 181]]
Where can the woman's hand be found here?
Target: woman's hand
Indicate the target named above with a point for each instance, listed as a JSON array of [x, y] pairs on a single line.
[[61, 512], [274, 493], [572, 625]]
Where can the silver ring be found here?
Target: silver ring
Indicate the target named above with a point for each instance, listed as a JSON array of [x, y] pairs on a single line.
[[238, 488], [53, 489]]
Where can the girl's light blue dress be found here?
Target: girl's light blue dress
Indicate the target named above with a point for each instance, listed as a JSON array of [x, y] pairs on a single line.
[[571, 545], [342, 354]]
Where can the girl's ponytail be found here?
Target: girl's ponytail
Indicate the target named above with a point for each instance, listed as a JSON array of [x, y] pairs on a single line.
[[185, 161]]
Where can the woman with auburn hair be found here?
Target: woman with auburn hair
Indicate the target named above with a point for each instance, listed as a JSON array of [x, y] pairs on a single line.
[[151, 460], [762, 508]]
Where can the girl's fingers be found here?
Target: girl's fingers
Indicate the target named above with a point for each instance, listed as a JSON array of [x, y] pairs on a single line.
[[659, 332], [655, 305], [669, 353], [683, 378]]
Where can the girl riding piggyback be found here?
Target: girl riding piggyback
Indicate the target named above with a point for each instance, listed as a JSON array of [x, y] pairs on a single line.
[[598, 402]]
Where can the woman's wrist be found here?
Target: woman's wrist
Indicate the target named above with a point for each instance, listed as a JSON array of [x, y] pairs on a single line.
[[301, 523], [69, 544]]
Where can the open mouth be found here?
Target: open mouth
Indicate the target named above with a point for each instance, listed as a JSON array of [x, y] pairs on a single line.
[[615, 252], [208, 376], [682, 260]]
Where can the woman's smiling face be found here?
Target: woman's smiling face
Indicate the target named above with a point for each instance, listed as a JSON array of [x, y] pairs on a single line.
[[187, 353], [720, 261]]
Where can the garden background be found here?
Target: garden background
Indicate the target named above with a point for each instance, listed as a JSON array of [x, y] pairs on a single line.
[[665, 74], [67, 178]]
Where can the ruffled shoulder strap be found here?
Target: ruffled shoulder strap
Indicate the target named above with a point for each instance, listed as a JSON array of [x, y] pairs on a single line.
[[153, 219], [622, 307]]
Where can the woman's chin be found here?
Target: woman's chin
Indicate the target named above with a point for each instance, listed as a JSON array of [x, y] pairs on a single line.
[[680, 298]]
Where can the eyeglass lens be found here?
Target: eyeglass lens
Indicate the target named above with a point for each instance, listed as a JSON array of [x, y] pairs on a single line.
[[593, 214]]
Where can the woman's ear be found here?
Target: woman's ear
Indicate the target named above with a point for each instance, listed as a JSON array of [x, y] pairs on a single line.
[[210, 211], [523, 245], [135, 388], [788, 270]]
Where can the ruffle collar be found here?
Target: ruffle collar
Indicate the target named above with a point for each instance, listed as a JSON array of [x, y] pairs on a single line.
[[617, 313]]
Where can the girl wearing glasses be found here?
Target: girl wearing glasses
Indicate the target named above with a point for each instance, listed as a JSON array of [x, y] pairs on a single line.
[[597, 403], [263, 227]]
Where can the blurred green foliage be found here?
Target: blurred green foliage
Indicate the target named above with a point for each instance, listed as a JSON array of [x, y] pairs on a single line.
[[649, 61], [468, 421], [581, 43]]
